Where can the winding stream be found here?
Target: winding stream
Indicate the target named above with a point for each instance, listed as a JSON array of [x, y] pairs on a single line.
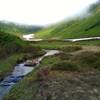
[[31, 37], [19, 72]]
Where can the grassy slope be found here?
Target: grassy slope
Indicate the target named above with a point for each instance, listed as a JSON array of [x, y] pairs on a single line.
[[9, 45], [16, 29], [12, 49], [86, 27]]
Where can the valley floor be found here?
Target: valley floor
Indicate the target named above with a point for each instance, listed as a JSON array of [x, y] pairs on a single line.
[[74, 74]]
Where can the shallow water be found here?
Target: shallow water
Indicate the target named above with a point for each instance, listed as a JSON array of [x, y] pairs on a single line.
[[82, 39], [19, 72], [22, 70], [31, 37]]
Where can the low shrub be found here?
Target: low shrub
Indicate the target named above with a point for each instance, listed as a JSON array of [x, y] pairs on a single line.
[[88, 59], [65, 66], [71, 48]]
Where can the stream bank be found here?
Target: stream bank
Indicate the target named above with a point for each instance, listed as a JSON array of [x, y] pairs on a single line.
[[19, 72], [68, 77]]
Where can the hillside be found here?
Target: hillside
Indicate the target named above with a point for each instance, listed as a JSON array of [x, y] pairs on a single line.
[[77, 28], [9, 43], [73, 73], [17, 29], [13, 50]]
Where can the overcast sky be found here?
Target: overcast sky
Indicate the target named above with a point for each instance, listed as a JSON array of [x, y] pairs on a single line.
[[41, 12]]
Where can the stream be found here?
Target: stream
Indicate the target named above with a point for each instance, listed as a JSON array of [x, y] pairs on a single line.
[[19, 72], [31, 37]]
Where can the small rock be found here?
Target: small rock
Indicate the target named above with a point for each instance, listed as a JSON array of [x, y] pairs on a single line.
[[95, 90]]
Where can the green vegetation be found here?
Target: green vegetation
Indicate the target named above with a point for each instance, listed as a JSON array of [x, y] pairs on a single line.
[[61, 45], [9, 44], [12, 49], [82, 61], [7, 65], [65, 66], [16, 29], [71, 75], [76, 28], [58, 68]]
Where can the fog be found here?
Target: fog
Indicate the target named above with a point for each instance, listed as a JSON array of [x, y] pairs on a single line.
[[42, 12]]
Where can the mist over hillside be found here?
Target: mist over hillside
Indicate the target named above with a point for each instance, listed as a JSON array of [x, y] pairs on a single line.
[[17, 29], [94, 6], [88, 26]]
